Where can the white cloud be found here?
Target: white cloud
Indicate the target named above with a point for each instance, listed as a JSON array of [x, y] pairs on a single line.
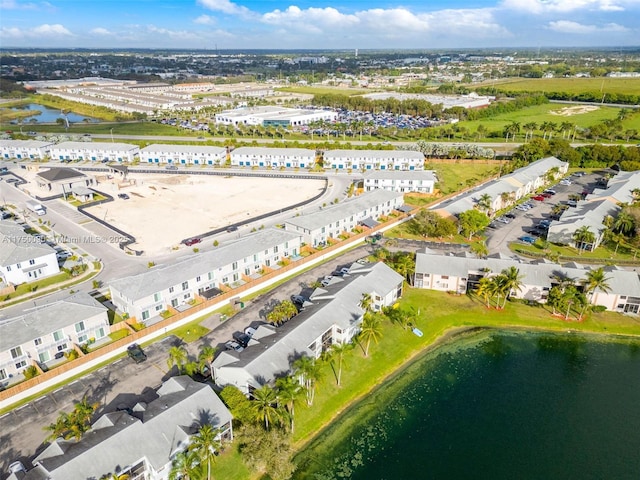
[[101, 31], [225, 6], [568, 26], [45, 30], [205, 20], [19, 5], [563, 6]]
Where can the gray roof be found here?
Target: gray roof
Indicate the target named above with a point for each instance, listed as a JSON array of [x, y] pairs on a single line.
[[160, 278], [18, 246], [184, 149], [118, 439], [89, 146], [56, 174], [40, 321], [81, 190], [425, 175], [621, 282], [374, 154], [24, 144], [285, 152], [340, 305], [343, 210]]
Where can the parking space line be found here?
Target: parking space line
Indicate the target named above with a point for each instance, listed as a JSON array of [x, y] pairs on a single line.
[[23, 406], [56, 391], [5, 415], [41, 398]]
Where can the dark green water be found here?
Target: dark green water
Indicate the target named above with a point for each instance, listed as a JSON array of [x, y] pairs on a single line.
[[497, 406]]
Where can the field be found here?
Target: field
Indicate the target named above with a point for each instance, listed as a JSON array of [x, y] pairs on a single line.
[[456, 176], [570, 85]]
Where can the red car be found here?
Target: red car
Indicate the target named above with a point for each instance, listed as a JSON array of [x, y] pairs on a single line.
[[191, 241], [539, 198]]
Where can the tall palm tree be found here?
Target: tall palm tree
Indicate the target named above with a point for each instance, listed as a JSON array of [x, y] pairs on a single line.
[[512, 282], [309, 373], [596, 280], [623, 223], [497, 287], [178, 356], [185, 466], [205, 444], [206, 357], [370, 329], [289, 391], [265, 405], [485, 202], [582, 237], [484, 290], [366, 302], [116, 476], [339, 349]]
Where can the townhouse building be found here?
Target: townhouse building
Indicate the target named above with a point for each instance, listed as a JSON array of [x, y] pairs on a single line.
[[462, 272], [403, 181], [24, 257], [94, 151], [508, 189], [333, 316], [140, 443], [373, 160], [43, 334], [592, 211], [24, 149], [316, 228], [183, 154], [146, 295], [265, 157]]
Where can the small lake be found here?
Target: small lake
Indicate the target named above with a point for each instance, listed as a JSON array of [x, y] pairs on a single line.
[[497, 406], [49, 115]]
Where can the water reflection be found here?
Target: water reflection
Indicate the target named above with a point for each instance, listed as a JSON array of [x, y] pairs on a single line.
[[42, 114]]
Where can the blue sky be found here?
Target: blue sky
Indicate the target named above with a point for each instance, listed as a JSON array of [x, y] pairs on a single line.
[[295, 24]]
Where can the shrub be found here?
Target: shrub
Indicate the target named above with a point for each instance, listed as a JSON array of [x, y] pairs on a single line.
[[30, 372], [96, 284], [599, 308], [151, 264], [71, 354], [216, 243]]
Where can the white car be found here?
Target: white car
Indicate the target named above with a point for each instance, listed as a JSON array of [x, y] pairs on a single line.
[[63, 255], [233, 345], [250, 331], [565, 182]]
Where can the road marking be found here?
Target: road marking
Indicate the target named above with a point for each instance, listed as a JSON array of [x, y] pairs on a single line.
[[41, 398], [23, 406], [5, 415], [56, 391]]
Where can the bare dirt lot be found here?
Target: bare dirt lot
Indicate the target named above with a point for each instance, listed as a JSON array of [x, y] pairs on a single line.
[[164, 209], [571, 111]]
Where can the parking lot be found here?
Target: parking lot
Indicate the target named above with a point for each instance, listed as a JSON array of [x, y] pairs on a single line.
[[527, 223]]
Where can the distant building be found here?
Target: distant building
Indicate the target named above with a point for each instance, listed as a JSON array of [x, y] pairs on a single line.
[[275, 116], [183, 154], [373, 160], [24, 149], [265, 157], [62, 180], [472, 100], [418, 181], [94, 151]]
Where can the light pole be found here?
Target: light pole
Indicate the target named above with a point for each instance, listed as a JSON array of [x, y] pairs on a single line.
[[112, 135]]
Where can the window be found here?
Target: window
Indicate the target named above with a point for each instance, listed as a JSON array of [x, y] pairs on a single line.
[[32, 262], [210, 275], [198, 278], [16, 352], [186, 296], [255, 257], [157, 297], [18, 265], [234, 266], [275, 249], [247, 271], [225, 279], [37, 341], [171, 289], [185, 285], [3, 374], [444, 277], [79, 327], [82, 338], [21, 363], [100, 332], [145, 315], [8, 268], [158, 308]]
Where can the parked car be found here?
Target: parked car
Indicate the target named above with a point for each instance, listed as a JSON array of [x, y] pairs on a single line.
[[539, 198], [578, 174], [233, 345], [250, 331], [104, 160], [232, 228], [550, 191], [298, 299], [527, 239], [171, 167], [242, 338], [12, 180], [522, 208], [136, 354], [545, 195], [510, 215], [572, 203], [63, 254], [123, 196], [565, 182], [191, 241], [503, 220]]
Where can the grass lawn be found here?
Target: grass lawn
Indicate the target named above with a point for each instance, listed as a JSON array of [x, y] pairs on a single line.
[[191, 332], [229, 465], [118, 334], [37, 285], [455, 176], [605, 253], [570, 85], [122, 128], [436, 312]]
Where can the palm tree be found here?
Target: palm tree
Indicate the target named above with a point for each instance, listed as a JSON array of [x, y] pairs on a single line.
[[206, 357], [512, 281], [206, 443], [265, 405], [485, 202], [177, 356], [623, 223], [366, 302], [289, 391], [497, 287], [370, 329], [308, 371], [116, 476], [596, 280], [185, 466], [339, 349], [485, 291], [59, 428], [582, 237]]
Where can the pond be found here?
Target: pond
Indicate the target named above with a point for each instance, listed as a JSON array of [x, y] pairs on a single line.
[[42, 114]]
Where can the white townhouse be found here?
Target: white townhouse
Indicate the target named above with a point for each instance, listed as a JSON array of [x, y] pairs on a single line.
[[24, 149], [24, 257], [461, 273], [145, 295], [507, 189], [140, 443], [592, 211], [334, 316], [183, 155], [94, 151], [42, 334], [316, 228], [373, 160], [404, 181], [272, 157]]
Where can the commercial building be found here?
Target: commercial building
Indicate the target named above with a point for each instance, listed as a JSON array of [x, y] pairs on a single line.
[[62, 180], [94, 151], [43, 334], [418, 181], [316, 228], [140, 443], [183, 154], [274, 116], [24, 257], [462, 272], [373, 160], [146, 295], [272, 157], [24, 149], [472, 100], [334, 316]]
